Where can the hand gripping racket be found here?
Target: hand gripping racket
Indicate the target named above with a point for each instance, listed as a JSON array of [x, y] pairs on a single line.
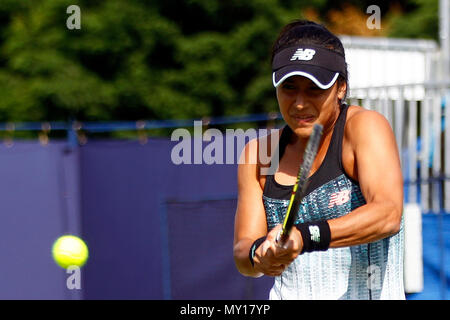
[[298, 192]]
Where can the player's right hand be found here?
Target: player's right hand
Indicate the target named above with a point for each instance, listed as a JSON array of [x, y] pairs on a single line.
[[266, 258]]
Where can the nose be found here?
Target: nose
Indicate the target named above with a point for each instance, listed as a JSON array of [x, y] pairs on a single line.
[[299, 100]]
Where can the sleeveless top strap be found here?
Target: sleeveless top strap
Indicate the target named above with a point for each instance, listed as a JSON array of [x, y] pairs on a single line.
[[330, 168]]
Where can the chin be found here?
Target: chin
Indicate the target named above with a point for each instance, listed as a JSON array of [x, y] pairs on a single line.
[[303, 131]]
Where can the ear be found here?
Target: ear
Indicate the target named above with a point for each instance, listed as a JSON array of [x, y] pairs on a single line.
[[342, 89]]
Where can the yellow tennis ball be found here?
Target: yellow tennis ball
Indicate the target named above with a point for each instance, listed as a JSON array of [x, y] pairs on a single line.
[[70, 250]]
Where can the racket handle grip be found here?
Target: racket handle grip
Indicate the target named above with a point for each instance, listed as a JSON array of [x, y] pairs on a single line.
[[282, 238]]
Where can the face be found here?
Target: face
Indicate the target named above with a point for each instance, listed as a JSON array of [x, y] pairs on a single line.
[[303, 104]]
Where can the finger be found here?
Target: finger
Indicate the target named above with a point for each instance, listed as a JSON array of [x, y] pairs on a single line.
[[270, 269], [272, 250], [290, 248], [270, 263], [285, 249], [276, 270], [272, 235], [265, 246], [285, 260], [283, 256]]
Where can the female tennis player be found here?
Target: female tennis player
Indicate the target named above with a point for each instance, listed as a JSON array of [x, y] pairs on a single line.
[[347, 240]]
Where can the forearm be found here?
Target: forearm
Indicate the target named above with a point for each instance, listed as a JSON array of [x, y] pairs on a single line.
[[368, 223], [241, 258]]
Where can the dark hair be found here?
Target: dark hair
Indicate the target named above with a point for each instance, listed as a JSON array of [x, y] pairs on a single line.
[[309, 32]]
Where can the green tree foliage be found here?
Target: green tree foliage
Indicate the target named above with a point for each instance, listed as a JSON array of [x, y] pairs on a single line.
[[140, 59], [421, 21], [137, 59]]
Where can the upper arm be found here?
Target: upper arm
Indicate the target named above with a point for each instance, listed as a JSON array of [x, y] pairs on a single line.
[[376, 158], [250, 219]]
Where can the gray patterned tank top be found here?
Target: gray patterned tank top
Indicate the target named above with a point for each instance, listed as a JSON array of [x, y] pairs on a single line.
[[367, 271]]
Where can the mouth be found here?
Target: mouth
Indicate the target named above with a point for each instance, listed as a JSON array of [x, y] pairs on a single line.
[[304, 119]]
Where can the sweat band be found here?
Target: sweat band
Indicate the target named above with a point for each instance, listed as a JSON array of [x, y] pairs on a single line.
[[316, 235]]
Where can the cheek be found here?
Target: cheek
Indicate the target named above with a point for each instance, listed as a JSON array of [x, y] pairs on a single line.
[[283, 102]]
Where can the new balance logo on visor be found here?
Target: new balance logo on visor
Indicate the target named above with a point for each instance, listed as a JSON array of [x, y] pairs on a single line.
[[339, 198], [303, 54]]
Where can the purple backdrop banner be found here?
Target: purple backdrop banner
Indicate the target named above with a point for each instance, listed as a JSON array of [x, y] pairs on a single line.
[[159, 230], [39, 202], [155, 230]]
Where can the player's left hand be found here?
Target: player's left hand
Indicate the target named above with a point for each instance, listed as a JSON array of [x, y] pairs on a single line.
[[289, 251]]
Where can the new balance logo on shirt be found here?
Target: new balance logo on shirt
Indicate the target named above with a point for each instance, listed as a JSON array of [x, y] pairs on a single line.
[[339, 198], [303, 54]]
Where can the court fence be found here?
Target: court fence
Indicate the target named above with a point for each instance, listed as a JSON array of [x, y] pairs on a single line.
[[407, 81], [419, 114]]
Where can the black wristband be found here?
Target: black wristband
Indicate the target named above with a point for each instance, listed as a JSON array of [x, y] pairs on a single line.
[[316, 235], [253, 248]]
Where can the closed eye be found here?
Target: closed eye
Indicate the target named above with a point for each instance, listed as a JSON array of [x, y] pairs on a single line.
[[288, 86]]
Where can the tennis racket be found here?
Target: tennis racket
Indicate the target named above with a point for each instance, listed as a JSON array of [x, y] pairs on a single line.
[[298, 191]]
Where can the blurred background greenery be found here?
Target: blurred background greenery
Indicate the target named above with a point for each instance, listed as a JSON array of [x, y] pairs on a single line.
[[165, 59]]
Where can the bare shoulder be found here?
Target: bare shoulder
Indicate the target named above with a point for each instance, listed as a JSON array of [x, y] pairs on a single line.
[[255, 161], [362, 123], [357, 116], [368, 142], [258, 149]]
